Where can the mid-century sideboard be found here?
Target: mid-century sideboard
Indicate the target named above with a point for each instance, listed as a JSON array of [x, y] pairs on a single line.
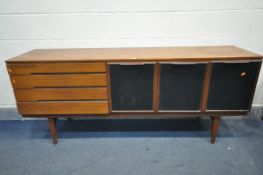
[[152, 82]]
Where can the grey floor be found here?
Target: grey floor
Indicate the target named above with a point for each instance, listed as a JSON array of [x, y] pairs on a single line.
[[136, 147]]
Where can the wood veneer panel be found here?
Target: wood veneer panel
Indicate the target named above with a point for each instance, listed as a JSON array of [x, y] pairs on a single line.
[[34, 68], [156, 87], [149, 115], [68, 107], [69, 80], [206, 86], [41, 94], [201, 53]]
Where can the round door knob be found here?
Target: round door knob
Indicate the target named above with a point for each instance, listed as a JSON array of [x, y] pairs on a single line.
[[243, 74]]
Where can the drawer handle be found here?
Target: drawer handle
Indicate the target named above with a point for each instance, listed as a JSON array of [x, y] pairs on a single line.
[[9, 70], [14, 81], [243, 74]]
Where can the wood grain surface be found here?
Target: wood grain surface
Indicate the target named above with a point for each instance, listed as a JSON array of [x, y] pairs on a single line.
[[61, 107], [44, 94], [38, 68], [200, 53], [70, 80]]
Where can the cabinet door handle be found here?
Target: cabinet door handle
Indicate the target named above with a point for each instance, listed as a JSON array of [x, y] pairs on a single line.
[[242, 74]]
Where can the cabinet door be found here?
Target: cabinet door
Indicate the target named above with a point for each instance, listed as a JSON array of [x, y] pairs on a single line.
[[232, 85], [131, 87], [181, 86]]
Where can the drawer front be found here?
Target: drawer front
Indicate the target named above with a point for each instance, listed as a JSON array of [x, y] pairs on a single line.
[[38, 68], [68, 107], [232, 85], [45, 94], [68, 80]]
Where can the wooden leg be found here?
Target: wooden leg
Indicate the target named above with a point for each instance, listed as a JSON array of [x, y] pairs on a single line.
[[214, 128], [52, 126]]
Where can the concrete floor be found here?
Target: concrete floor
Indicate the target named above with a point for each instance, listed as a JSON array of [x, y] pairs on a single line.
[[134, 147]]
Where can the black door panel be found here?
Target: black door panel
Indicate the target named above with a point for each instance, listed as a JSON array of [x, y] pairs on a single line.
[[232, 85], [181, 86]]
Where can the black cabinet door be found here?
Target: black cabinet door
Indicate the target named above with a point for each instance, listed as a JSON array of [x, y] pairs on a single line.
[[181, 86], [131, 87], [232, 85]]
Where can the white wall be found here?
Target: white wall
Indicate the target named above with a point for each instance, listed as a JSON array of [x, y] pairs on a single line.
[[30, 24]]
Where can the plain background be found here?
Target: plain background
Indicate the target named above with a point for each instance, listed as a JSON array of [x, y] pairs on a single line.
[[30, 24]]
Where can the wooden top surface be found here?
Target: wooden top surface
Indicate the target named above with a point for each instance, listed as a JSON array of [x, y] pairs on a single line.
[[200, 53]]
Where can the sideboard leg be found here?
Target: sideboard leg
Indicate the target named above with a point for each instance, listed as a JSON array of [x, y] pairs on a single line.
[[52, 126], [214, 128]]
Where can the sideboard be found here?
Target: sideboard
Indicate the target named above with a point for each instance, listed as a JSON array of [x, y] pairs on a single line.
[[154, 82]]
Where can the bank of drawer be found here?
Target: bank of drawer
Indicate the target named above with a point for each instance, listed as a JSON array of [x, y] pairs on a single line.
[[40, 68], [66, 80], [66, 107], [45, 94]]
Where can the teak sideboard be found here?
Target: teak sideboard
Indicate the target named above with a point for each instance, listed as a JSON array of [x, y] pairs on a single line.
[[152, 82]]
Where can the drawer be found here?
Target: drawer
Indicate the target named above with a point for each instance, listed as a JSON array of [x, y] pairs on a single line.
[[41, 68], [45, 94], [66, 107], [66, 80]]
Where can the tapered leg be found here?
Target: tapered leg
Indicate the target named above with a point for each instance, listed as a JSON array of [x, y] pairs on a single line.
[[52, 127], [214, 128]]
